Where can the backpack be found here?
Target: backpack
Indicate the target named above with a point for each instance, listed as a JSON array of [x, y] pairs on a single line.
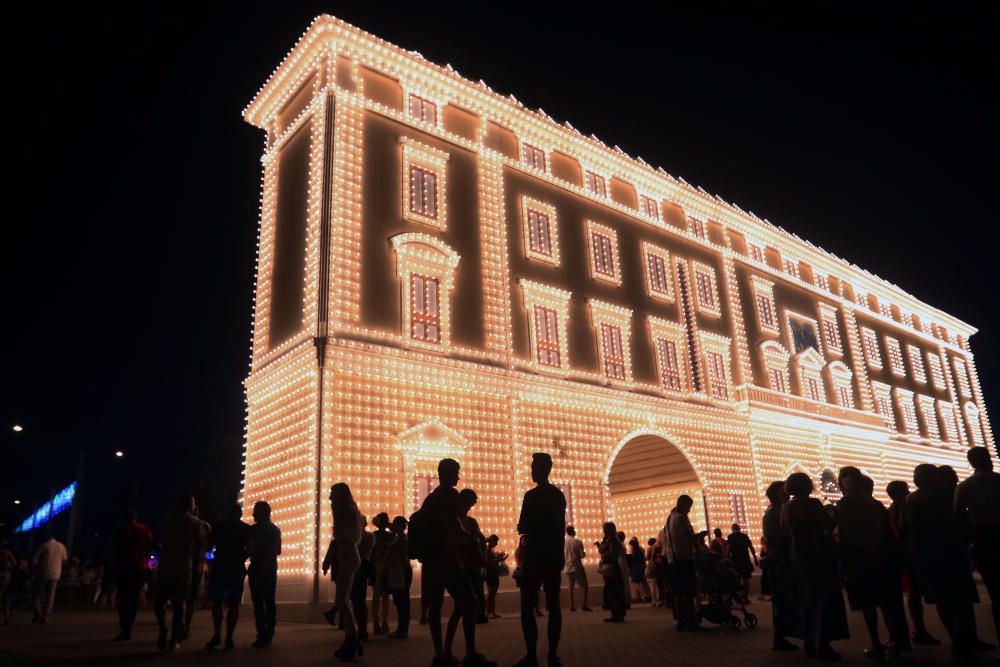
[[420, 537]]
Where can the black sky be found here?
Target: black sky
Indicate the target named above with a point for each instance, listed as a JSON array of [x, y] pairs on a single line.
[[131, 183]]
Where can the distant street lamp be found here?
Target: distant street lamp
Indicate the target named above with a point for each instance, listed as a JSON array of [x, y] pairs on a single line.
[[17, 428], [17, 502], [119, 453]]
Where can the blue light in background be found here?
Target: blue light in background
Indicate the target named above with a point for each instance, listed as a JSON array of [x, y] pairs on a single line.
[[49, 510]]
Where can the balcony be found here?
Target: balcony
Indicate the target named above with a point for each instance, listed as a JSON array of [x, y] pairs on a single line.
[[759, 397]]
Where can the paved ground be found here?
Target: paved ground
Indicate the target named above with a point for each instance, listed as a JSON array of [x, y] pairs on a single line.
[[645, 640]]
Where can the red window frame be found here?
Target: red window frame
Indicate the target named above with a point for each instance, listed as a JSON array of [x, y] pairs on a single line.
[[846, 396], [776, 376], [614, 354], [895, 356], [604, 258], [650, 207], [791, 267], [534, 157], [717, 375], [870, 343], [830, 333], [764, 311], [698, 228], [812, 388], [423, 191], [539, 233], [423, 110], [756, 252], [547, 337], [425, 308], [706, 295], [597, 184], [657, 274], [670, 368]]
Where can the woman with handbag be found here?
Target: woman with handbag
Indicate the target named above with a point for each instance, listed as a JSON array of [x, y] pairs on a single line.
[[610, 568]]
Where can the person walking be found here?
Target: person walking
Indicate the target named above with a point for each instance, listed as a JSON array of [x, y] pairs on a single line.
[[871, 565], [739, 546], [380, 595], [680, 548], [197, 571], [434, 537], [576, 575], [471, 555], [496, 567], [542, 522], [47, 566], [615, 576], [897, 492], [225, 585], [265, 547], [8, 565], [813, 556], [132, 547], [636, 559], [348, 526], [330, 566], [177, 539], [397, 577], [785, 607], [977, 506]]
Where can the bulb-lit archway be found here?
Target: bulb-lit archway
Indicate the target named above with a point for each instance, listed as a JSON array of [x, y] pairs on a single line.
[[645, 476]]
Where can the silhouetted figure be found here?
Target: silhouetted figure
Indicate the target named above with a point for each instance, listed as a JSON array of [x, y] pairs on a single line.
[[265, 547], [573, 555], [615, 576], [940, 562], [348, 526], [977, 505], [380, 595], [680, 548], [8, 566], [397, 577], [177, 538], [744, 557], [495, 568], [330, 565], [871, 564], [434, 530], [47, 567], [785, 608], [471, 556], [636, 559], [542, 522], [225, 587], [814, 560], [362, 578], [718, 544], [898, 491], [132, 546], [197, 572]]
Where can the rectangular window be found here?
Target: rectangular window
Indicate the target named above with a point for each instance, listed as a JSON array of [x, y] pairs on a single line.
[[604, 262], [930, 419], [423, 191], [831, 334], [961, 377], [547, 337], [916, 363], [822, 282], [776, 378], [909, 411], [539, 238], [425, 310], [791, 267], [937, 369], [870, 344], [534, 157], [649, 207], [423, 110], [698, 228], [947, 416], [658, 280], [423, 485], [895, 356], [764, 312], [883, 406], [705, 289], [614, 357], [595, 183], [717, 376], [756, 252], [812, 388], [670, 370], [845, 396]]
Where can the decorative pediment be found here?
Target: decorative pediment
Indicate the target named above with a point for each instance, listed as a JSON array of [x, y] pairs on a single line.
[[430, 440], [809, 359]]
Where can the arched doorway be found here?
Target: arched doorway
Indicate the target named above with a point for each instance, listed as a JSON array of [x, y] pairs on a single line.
[[645, 477]]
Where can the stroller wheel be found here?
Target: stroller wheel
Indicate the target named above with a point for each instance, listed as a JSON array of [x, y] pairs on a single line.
[[750, 620], [734, 623]]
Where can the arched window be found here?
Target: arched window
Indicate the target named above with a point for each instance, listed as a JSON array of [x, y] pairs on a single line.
[[426, 268]]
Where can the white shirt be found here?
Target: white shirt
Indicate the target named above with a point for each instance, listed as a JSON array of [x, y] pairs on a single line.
[[49, 560], [573, 551]]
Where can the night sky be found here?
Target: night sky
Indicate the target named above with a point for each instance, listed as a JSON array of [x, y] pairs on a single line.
[[131, 187]]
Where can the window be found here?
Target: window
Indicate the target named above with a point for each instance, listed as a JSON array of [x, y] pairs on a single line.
[[845, 397], [946, 415], [961, 377], [755, 252], [603, 253], [883, 403], [697, 227], [831, 332], [822, 282], [972, 422], [425, 321], [839, 383], [870, 344], [547, 310], [540, 237], [916, 363], [658, 278], [776, 379], [669, 361], [926, 404], [763, 299], [791, 267], [424, 174], [812, 388], [547, 336], [649, 207], [908, 409], [423, 110], [937, 369], [895, 356], [595, 183], [614, 358], [423, 485], [775, 358], [611, 326], [717, 376], [885, 309], [706, 293], [426, 267], [534, 157]]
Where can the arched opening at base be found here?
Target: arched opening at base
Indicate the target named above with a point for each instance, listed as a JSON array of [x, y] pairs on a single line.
[[645, 478]]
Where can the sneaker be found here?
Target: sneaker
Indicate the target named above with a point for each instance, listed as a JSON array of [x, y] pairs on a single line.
[[331, 617], [586, 608], [398, 635], [925, 640], [477, 660], [230, 644], [213, 642], [784, 645], [527, 661], [554, 661], [174, 645], [259, 643], [572, 608]]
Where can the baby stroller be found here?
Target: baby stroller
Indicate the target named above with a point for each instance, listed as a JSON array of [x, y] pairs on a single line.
[[718, 585]]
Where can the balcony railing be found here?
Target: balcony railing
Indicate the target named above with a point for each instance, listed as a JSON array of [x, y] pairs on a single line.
[[761, 397]]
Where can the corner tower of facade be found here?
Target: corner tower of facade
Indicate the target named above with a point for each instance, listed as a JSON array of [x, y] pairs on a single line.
[[444, 272]]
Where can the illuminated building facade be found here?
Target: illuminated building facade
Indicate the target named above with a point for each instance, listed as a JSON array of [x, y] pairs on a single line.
[[445, 272]]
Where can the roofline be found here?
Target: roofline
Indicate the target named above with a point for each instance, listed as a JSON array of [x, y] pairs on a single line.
[[261, 109]]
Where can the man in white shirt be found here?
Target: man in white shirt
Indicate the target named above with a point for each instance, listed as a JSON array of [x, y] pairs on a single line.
[[47, 565], [575, 574]]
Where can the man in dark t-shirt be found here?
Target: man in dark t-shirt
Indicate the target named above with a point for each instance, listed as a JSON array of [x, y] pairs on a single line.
[[225, 584], [543, 524], [178, 538], [740, 551], [265, 547]]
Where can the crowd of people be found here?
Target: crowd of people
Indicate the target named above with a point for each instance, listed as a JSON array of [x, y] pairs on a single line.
[[921, 549]]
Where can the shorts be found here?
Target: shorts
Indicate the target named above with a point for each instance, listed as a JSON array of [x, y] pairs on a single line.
[[226, 586], [440, 576], [492, 578], [197, 579], [173, 585], [577, 578], [534, 578]]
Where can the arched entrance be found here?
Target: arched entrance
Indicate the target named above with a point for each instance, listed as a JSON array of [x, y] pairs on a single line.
[[645, 477]]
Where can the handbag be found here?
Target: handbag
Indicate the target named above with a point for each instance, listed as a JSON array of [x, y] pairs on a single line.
[[503, 570]]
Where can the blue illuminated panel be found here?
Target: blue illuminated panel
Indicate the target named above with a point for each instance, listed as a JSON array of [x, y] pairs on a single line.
[[49, 510]]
